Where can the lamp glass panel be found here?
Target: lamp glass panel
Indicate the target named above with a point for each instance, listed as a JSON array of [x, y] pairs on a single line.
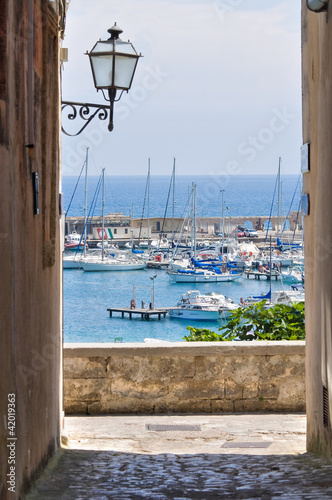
[[124, 47], [103, 47], [102, 70], [124, 71]]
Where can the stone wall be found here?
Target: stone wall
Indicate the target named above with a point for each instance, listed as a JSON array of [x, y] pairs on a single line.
[[184, 377], [317, 121], [30, 239]]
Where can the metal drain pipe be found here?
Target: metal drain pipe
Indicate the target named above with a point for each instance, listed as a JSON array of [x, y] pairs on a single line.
[[317, 5]]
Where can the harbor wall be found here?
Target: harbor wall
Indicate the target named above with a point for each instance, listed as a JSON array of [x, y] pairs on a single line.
[[121, 226], [197, 377]]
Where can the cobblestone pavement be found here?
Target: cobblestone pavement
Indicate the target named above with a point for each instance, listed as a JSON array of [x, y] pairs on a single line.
[[240, 461]]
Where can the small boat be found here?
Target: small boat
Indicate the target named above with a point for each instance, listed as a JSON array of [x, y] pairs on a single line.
[[294, 275], [74, 241], [210, 307], [272, 298], [203, 276]]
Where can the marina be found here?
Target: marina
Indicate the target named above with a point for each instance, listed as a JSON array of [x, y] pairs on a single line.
[[97, 305]]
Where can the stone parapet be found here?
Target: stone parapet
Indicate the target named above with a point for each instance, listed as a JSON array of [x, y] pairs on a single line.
[[198, 377]]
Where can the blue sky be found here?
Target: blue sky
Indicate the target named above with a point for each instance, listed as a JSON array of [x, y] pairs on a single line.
[[219, 87]]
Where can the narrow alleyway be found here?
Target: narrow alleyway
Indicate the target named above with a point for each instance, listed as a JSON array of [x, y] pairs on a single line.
[[185, 457]]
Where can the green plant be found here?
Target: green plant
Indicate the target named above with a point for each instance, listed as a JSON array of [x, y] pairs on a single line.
[[257, 322]]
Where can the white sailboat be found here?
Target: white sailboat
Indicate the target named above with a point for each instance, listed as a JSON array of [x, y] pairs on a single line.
[[116, 263], [74, 240], [200, 275]]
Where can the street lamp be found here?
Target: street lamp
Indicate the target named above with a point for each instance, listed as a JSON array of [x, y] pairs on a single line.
[[152, 291], [113, 64], [317, 5]]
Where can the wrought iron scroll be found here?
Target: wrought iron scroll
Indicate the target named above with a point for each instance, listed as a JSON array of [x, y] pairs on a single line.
[[86, 111]]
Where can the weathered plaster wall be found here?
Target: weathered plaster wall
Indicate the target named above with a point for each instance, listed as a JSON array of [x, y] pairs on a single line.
[[184, 378], [317, 123], [30, 265]]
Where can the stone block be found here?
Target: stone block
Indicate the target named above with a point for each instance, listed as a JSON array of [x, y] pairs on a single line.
[[256, 405], [139, 368], [233, 390], [196, 389], [189, 406], [222, 406], [182, 367], [250, 391], [73, 407], [85, 367], [268, 390], [142, 390], [85, 390], [208, 367]]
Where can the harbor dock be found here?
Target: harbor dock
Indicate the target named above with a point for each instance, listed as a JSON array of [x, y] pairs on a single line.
[[144, 313], [267, 275]]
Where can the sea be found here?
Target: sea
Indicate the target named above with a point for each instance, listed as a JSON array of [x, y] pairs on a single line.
[[86, 295]]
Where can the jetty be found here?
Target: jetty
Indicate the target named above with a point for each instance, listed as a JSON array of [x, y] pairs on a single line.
[[258, 274], [144, 313]]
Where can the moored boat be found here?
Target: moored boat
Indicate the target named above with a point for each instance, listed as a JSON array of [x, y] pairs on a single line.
[[210, 307]]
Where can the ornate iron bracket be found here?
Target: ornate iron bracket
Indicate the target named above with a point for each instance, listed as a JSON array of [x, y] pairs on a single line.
[[87, 112]]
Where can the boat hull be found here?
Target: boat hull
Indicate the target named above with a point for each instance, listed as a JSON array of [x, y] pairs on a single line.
[[203, 278], [196, 315], [98, 266]]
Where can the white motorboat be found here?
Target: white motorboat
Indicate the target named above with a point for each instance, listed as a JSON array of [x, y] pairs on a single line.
[[272, 298], [210, 307], [294, 275]]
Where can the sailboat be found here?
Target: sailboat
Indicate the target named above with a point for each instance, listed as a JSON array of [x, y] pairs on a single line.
[[74, 240], [110, 263], [200, 275]]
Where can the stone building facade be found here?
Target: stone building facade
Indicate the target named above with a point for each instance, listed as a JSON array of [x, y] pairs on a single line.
[[31, 288], [317, 182]]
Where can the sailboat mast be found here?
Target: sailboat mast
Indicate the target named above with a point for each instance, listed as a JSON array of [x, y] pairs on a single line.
[[148, 203], [102, 215], [278, 218], [222, 218], [86, 200], [173, 200], [194, 218]]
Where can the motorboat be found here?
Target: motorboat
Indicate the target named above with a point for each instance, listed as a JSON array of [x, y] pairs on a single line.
[[74, 241], [293, 275], [210, 307], [292, 296]]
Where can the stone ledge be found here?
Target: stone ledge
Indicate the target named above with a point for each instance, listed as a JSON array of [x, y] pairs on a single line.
[[250, 348], [200, 377]]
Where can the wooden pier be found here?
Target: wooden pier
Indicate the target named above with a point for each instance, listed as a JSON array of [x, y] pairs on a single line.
[[144, 313], [267, 275]]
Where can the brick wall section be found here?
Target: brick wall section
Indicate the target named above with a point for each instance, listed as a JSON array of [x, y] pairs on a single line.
[[211, 377]]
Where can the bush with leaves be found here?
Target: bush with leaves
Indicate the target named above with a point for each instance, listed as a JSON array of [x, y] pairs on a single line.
[[257, 322]]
